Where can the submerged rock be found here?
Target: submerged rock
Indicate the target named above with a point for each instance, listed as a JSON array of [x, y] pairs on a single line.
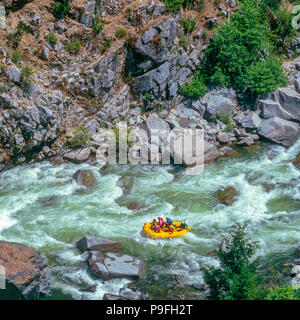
[[115, 265], [85, 178], [113, 297], [26, 272], [89, 243], [227, 196], [296, 161]]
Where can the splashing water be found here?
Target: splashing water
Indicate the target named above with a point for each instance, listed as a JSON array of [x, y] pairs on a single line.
[[43, 207]]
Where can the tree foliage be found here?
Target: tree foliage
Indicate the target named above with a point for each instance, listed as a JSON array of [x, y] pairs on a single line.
[[236, 278]]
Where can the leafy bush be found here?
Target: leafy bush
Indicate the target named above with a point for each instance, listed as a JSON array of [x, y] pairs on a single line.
[[73, 47], [16, 56], [175, 5], [61, 8], [106, 45], [272, 3], [281, 29], [26, 74], [14, 39], [264, 77], [51, 39], [194, 89], [282, 293], [241, 49], [120, 32], [98, 25], [80, 137], [183, 42], [188, 24], [235, 279]]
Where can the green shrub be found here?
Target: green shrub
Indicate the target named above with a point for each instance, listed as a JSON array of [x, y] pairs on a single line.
[[175, 5], [120, 32], [188, 24], [80, 137], [98, 25], [281, 29], [282, 293], [263, 77], [51, 39], [73, 47], [241, 50], [274, 4], [16, 56], [194, 89], [61, 8], [183, 42], [235, 279], [106, 45], [14, 39], [27, 73]]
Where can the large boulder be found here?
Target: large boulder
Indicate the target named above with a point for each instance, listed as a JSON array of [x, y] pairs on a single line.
[[280, 131], [157, 127], [219, 103], [210, 152], [251, 121], [290, 101], [90, 243], [85, 178], [26, 272], [115, 265], [270, 109]]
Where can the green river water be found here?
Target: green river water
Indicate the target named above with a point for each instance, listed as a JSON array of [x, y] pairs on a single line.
[[43, 207]]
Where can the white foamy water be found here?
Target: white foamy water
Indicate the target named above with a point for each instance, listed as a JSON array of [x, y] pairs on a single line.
[[43, 207]]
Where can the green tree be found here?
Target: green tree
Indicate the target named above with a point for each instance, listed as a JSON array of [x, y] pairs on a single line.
[[236, 278]]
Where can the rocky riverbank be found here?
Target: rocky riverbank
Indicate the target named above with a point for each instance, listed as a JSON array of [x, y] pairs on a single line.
[[62, 112]]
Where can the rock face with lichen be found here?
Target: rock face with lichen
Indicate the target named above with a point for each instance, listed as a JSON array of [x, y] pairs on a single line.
[[26, 272]]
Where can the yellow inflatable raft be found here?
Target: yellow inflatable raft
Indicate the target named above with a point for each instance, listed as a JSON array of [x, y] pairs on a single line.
[[163, 234]]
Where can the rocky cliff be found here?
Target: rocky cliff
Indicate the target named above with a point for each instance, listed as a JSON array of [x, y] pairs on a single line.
[[65, 79]]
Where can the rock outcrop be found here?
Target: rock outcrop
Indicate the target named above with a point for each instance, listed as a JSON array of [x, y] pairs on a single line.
[[26, 272]]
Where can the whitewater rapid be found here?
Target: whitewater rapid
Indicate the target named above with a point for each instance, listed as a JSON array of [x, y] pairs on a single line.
[[43, 207]]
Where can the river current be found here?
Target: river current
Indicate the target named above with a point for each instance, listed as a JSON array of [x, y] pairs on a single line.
[[43, 207]]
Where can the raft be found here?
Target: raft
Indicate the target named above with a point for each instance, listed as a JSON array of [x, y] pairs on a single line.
[[163, 234]]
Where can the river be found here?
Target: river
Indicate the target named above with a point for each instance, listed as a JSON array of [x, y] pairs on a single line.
[[43, 207]]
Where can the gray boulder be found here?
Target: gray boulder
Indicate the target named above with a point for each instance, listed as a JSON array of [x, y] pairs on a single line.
[[270, 109], [289, 100], [14, 74], [210, 152], [280, 131], [115, 265], [157, 127], [251, 121], [90, 243], [218, 104]]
